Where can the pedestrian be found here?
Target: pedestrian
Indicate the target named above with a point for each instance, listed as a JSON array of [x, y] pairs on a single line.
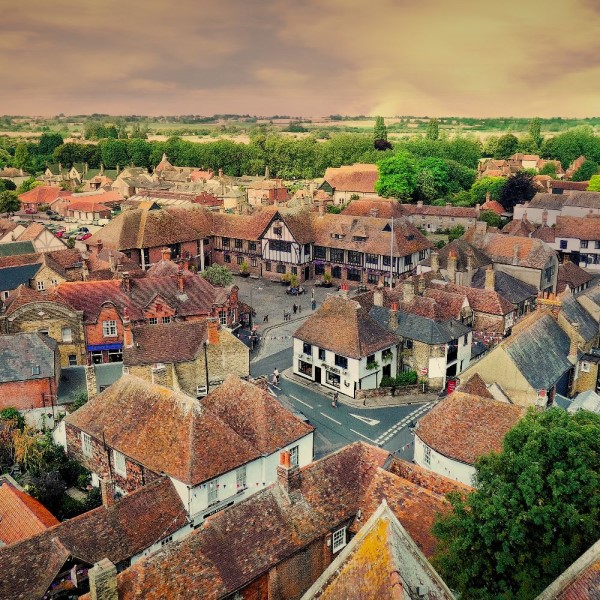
[[335, 399], [299, 308], [314, 304], [295, 308], [266, 319], [275, 376]]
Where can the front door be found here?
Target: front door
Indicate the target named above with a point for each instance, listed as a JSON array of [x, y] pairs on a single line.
[[318, 374], [306, 273], [387, 371]]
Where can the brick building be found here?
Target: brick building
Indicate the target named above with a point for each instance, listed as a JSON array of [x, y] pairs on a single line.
[[29, 371], [216, 451]]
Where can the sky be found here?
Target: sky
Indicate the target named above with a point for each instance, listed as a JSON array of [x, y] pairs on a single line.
[[301, 57]]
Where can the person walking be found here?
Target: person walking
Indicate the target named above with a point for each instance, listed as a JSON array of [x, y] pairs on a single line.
[[295, 308], [275, 376], [299, 308], [334, 402]]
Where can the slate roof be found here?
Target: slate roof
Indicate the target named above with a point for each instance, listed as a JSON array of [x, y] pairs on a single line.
[[572, 275], [464, 427], [197, 299], [237, 545], [12, 277], [13, 248], [514, 290], [21, 352], [393, 560], [422, 329], [21, 515], [539, 349], [169, 432], [574, 312], [131, 525], [165, 343], [341, 326], [587, 400]]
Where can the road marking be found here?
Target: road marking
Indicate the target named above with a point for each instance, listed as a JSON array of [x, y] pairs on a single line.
[[371, 422], [331, 419], [273, 393], [301, 401], [363, 436], [393, 430]]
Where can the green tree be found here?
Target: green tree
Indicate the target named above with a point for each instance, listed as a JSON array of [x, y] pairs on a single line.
[[456, 232], [433, 130], [586, 171], [491, 218], [432, 180], [218, 275], [28, 184], [9, 202], [7, 185], [535, 509], [397, 176], [12, 414], [535, 131], [594, 185], [139, 152], [114, 152], [482, 186], [48, 142], [21, 156], [567, 146], [506, 146], [139, 132], [549, 169], [516, 190], [380, 130]]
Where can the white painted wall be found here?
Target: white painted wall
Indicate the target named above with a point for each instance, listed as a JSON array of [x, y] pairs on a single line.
[[442, 465]]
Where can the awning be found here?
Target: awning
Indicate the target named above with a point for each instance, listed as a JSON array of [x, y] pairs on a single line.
[[98, 347]]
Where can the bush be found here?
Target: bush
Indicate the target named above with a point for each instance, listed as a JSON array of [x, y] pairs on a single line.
[[12, 414], [80, 399], [217, 275], [402, 379]]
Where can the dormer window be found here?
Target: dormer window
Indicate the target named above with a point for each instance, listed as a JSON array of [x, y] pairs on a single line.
[[358, 238], [410, 237], [337, 236], [278, 231]]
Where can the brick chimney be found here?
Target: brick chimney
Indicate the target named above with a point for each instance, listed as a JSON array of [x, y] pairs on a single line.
[[212, 326], [490, 278], [107, 489], [452, 263], [421, 285], [126, 282], [344, 291], [180, 281], [545, 218], [91, 385], [378, 296], [408, 290], [103, 581], [85, 270], [524, 217], [127, 333], [165, 253], [573, 345], [435, 261], [99, 246], [288, 475], [393, 317], [547, 302], [515, 260]]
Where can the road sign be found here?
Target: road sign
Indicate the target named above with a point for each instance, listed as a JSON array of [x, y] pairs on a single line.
[[424, 371]]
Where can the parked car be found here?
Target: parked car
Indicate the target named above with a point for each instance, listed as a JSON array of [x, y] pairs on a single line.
[[30, 211], [83, 236], [60, 233], [295, 291], [77, 231]]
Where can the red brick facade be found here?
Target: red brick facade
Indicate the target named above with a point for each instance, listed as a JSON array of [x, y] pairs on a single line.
[[25, 395]]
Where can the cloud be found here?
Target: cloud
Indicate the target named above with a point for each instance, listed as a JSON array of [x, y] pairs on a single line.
[[305, 57]]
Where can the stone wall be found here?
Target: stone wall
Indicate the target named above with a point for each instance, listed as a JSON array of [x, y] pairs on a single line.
[[405, 392], [586, 381]]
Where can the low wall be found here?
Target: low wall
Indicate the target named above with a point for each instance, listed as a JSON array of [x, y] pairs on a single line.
[[406, 391]]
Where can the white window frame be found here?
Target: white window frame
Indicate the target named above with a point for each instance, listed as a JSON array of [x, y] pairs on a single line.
[[427, 455], [86, 444], [585, 366], [41, 285], [66, 334], [294, 456], [120, 463], [338, 539], [166, 319], [241, 478], [153, 321], [223, 317], [35, 370], [108, 327], [212, 491]]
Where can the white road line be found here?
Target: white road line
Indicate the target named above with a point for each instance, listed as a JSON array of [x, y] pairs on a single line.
[[386, 435], [328, 417], [301, 401], [363, 436]]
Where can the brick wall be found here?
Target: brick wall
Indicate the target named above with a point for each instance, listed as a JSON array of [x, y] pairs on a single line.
[[25, 395], [98, 462], [27, 319], [94, 331]]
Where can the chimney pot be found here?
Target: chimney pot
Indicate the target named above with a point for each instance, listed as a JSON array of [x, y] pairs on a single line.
[[99, 246], [213, 331], [435, 261], [452, 264], [490, 278], [126, 282], [107, 489], [166, 253], [288, 475], [408, 290], [127, 332], [180, 282]]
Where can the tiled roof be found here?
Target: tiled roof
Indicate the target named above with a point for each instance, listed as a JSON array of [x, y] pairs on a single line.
[[440, 211], [353, 178], [17, 260], [244, 227], [475, 386], [531, 252], [32, 232], [581, 581], [25, 295], [573, 275], [519, 227], [88, 206], [494, 206], [464, 427], [197, 299], [131, 525], [539, 349], [21, 515], [43, 194], [482, 300], [581, 228], [545, 233], [583, 199], [450, 302], [236, 546], [13, 248], [163, 268], [514, 290], [253, 414], [168, 343], [341, 326], [171, 433], [563, 184], [461, 248], [22, 353], [394, 563], [382, 208]]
